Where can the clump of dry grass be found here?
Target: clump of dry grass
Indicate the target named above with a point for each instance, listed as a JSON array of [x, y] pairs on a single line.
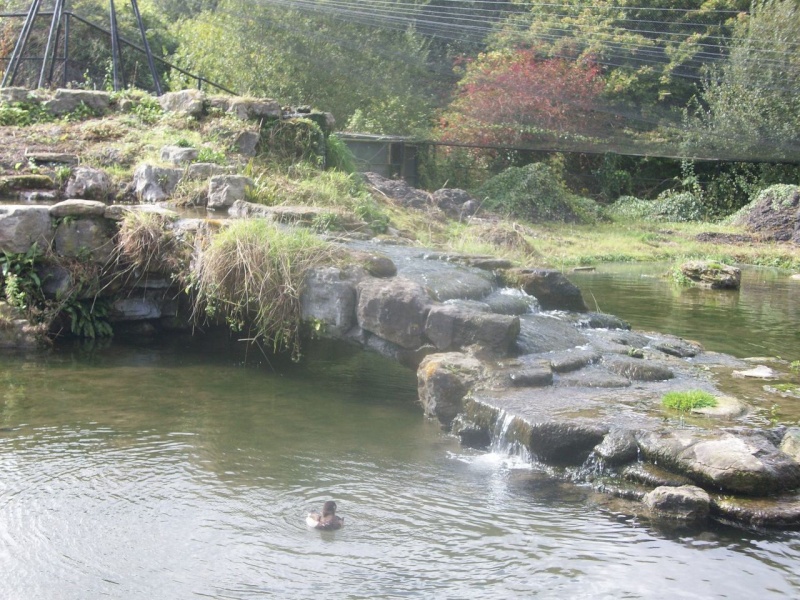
[[147, 244], [251, 275]]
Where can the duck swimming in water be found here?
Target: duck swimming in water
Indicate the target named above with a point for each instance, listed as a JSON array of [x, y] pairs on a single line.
[[327, 520]]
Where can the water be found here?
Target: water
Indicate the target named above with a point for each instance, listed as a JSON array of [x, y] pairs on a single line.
[[186, 471], [761, 319]]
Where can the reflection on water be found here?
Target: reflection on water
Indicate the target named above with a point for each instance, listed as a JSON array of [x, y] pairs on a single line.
[[761, 319], [182, 472]]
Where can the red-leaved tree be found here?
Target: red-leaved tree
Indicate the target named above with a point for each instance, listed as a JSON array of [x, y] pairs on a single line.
[[514, 98]]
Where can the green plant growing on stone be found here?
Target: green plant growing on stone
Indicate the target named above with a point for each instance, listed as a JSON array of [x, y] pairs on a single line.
[[688, 401], [326, 221], [209, 155], [88, 318], [147, 245], [251, 275], [794, 366], [22, 285]]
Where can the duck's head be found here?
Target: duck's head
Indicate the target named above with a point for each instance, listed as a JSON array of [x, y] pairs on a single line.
[[329, 508]]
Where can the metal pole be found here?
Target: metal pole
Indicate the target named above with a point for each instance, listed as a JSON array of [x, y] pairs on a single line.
[[147, 48], [55, 51], [116, 54], [59, 5], [66, 48], [22, 40]]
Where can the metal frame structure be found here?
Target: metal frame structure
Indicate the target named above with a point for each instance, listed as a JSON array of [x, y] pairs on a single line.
[[60, 19]]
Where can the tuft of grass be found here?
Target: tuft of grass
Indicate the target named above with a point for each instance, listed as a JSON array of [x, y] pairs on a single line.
[[688, 400], [251, 275], [146, 244]]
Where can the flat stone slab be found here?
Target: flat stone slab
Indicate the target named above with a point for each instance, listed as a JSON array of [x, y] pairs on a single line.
[[60, 158]]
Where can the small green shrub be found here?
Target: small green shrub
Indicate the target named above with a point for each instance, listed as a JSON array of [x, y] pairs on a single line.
[[688, 400], [209, 155], [533, 192], [23, 114], [678, 207], [338, 155]]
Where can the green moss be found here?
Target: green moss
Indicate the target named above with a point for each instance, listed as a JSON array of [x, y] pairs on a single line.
[[688, 400]]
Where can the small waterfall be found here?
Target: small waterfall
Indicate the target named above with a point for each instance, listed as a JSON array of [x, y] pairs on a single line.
[[504, 446]]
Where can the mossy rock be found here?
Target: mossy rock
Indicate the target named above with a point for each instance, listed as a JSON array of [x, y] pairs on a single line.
[[11, 183]]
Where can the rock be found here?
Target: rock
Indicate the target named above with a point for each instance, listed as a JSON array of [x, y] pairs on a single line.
[[88, 183], [452, 327], [687, 502], [595, 320], [78, 208], [713, 275], [398, 191], [759, 512], [775, 213], [178, 155], [394, 309], [618, 447], [224, 190], [50, 158], [727, 462], [638, 369], [66, 101], [246, 143], [254, 109], [759, 372], [13, 95], [653, 475], [188, 103], [571, 360], [565, 442], [85, 237], [541, 333], [39, 196], [469, 208], [377, 265], [510, 302], [204, 170], [328, 300], [22, 226], [549, 287], [17, 333], [24, 182], [442, 382], [675, 346], [155, 184], [532, 376], [451, 201], [469, 434], [790, 444], [593, 377], [134, 309], [727, 407]]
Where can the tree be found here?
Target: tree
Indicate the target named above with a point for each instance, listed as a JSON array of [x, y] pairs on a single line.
[[516, 98], [749, 108], [313, 56]]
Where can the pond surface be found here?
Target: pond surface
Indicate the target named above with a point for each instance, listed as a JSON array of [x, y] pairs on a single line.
[[185, 470], [761, 319]]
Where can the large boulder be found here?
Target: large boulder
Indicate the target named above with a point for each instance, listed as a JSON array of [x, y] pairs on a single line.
[[78, 208], [452, 327], [66, 101], [731, 463], [394, 309], [254, 109], [178, 155], [224, 190], [155, 184], [687, 503], [85, 237], [328, 300], [22, 226], [714, 275], [551, 288], [187, 103], [88, 183], [452, 201], [443, 380], [398, 191]]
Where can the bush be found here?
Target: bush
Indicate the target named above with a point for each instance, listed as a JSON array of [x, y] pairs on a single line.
[[533, 192], [338, 155], [670, 206]]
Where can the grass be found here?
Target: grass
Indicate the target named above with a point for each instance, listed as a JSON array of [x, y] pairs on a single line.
[[688, 400], [251, 274]]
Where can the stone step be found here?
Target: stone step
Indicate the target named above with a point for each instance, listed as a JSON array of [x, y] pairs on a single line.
[[60, 158]]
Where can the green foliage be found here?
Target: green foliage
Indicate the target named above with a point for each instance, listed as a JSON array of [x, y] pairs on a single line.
[[688, 400], [148, 110], [338, 155], [23, 114], [251, 275], [294, 140], [534, 193], [22, 285], [750, 106], [303, 56], [209, 155], [670, 206], [89, 318]]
